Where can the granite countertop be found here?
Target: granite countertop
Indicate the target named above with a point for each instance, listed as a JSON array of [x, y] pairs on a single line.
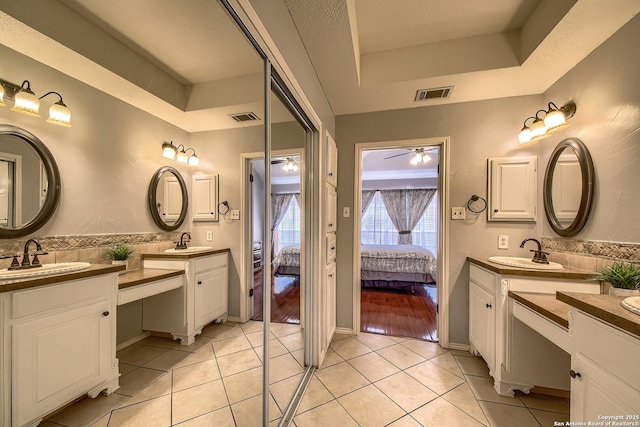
[[93, 270], [145, 275], [545, 304], [604, 307], [162, 255], [566, 273]]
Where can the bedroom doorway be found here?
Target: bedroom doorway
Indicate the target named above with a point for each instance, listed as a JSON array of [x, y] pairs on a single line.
[[399, 232]]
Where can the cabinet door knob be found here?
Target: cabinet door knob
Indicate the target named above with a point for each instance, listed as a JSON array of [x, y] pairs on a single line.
[[333, 248], [488, 305], [199, 282], [330, 173], [331, 225], [495, 210], [574, 374], [105, 313], [331, 275]]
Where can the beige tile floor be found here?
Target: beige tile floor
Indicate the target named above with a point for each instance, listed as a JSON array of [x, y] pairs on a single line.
[[369, 380]]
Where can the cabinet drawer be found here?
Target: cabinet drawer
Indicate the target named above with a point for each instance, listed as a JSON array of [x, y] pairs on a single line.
[[45, 298], [612, 349], [482, 277], [209, 263], [331, 248]]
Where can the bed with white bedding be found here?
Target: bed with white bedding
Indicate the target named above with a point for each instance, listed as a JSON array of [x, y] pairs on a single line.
[[387, 266]]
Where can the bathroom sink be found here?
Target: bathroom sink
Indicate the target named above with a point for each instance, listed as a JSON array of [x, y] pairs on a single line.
[[45, 270], [632, 304], [524, 263], [189, 250]]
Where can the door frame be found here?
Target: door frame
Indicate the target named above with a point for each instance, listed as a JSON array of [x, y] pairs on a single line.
[[443, 145], [246, 278]]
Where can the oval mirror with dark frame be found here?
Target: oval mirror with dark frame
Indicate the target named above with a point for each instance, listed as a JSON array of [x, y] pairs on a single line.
[[569, 187], [29, 183], [167, 197]]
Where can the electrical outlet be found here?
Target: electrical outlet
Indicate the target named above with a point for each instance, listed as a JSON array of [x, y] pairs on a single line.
[[503, 241], [457, 213], [209, 236], [346, 212], [235, 214]]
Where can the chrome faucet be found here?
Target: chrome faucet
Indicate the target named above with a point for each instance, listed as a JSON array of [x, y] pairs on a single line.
[[539, 256], [182, 244]]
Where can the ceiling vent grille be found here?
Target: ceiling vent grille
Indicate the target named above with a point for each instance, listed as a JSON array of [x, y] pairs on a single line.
[[434, 93], [244, 117]]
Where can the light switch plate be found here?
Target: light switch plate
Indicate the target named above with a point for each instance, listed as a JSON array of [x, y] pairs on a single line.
[[235, 214], [346, 212]]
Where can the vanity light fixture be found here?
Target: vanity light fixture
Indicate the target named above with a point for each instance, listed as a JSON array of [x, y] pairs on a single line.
[[27, 103], [555, 119], [179, 154], [290, 165]]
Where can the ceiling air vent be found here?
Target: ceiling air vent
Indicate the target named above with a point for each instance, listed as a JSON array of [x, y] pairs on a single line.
[[438, 92], [244, 117]]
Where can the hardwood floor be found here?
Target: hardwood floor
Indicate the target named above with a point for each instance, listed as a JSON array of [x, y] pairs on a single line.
[[285, 299], [398, 313]]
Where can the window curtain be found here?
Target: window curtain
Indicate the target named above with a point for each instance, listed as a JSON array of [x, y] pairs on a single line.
[[279, 205], [405, 208], [297, 197], [417, 202], [367, 197]]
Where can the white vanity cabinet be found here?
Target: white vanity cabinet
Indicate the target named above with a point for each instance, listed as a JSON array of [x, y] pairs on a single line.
[[517, 356], [59, 342], [604, 369], [202, 299], [482, 317]]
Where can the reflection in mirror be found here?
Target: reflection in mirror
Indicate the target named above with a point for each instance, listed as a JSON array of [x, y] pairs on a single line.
[[26, 168], [167, 198], [569, 187]]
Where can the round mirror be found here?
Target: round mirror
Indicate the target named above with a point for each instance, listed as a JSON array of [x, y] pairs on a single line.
[[569, 187], [168, 198], [29, 182]]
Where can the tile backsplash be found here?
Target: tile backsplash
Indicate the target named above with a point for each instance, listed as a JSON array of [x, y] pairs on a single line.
[[91, 247], [589, 254]]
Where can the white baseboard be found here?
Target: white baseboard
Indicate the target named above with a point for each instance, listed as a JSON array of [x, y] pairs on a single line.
[[133, 340], [458, 346], [344, 331]]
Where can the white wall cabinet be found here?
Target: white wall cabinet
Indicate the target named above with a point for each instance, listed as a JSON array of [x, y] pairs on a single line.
[[59, 342], [202, 299], [518, 357], [328, 283], [604, 382], [512, 189], [332, 161], [204, 198]]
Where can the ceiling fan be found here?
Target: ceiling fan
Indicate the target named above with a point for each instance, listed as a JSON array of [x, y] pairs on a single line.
[[419, 155], [290, 163]]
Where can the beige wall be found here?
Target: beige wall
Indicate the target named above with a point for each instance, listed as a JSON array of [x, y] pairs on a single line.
[[607, 93]]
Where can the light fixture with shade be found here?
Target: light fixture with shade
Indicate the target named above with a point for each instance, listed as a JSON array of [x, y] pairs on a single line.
[[169, 150], [26, 102], [290, 165], [182, 156], [555, 119]]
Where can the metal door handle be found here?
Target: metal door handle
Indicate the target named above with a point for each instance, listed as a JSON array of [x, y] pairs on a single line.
[[488, 305], [105, 313], [199, 282]]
